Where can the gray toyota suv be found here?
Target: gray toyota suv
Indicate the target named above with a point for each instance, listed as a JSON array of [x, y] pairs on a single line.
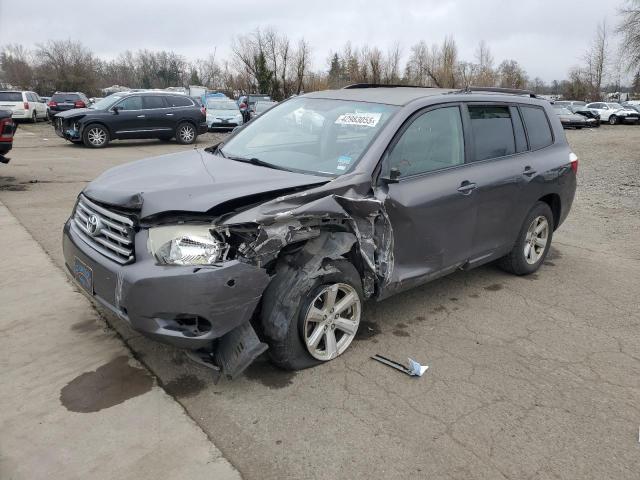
[[275, 238]]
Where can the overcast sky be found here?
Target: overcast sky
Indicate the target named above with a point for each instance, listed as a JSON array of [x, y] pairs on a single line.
[[545, 36]]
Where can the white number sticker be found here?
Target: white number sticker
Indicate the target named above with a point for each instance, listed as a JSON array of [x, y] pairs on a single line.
[[360, 119]]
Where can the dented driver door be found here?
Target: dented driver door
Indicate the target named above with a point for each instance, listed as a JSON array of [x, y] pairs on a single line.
[[432, 204]]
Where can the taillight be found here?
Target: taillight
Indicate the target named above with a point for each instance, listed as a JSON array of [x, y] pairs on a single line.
[[79, 104], [52, 103], [203, 109], [26, 105], [6, 130], [573, 159]]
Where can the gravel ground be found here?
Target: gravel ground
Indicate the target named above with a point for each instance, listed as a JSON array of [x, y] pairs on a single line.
[[535, 377]]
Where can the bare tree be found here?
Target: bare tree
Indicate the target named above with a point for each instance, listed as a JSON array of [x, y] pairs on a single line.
[[485, 74], [391, 68], [66, 65], [630, 30], [597, 61], [16, 66], [512, 75], [302, 58]]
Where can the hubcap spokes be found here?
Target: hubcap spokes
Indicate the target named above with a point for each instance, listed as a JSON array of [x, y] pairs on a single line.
[[332, 321], [186, 134], [536, 240], [97, 136]]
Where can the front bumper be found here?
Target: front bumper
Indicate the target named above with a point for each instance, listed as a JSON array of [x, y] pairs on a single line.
[[220, 124], [187, 307], [573, 124]]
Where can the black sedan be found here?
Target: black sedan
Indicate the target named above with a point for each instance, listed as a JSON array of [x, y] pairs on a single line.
[[569, 119]]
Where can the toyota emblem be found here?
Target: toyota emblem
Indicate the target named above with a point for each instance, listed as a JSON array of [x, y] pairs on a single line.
[[93, 225]]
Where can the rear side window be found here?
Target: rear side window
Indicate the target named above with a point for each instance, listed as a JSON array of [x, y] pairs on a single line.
[[177, 101], [154, 101], [492, 131], [10, 96], [433, 141], [538, 128]]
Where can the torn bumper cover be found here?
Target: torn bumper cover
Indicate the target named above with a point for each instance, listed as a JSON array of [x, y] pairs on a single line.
[[187, 307]]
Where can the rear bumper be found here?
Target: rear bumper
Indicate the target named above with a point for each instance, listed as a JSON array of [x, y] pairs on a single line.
[[20, 113], [203, 128], [182, 306]]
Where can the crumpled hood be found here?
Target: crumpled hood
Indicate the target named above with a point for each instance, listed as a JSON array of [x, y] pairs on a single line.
[[73, 112], [192, 181]]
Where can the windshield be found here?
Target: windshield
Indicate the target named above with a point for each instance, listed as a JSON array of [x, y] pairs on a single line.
[[263, 106], [65, 97], [106, 102], [311, 135], [221, 105], [563, 111]]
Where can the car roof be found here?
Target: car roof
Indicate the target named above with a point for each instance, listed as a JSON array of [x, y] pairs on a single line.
[[151, 92], [389, 95]]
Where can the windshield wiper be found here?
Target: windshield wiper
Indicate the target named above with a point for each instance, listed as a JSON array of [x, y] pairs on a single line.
[[254, 161]]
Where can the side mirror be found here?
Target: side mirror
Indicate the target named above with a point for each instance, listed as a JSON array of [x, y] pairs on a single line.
[[116, 110]]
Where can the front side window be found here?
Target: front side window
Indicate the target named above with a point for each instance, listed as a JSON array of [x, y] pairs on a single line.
[[311, 135], [130, 103], [492, 131], [433, 141], [538, 128]]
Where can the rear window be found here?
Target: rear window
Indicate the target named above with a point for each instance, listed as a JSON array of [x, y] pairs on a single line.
[[177, 101], [492, 131], [10, 96], [65, 97], [538, 128]]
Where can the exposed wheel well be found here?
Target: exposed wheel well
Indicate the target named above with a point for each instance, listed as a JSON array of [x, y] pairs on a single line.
[[553, 200]]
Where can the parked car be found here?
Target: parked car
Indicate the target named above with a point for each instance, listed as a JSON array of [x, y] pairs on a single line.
[[24, 105], [63, 101], [632, 106], [289, 231], [247, 103], [129, 115], [261, 107], [223, 113], [614, 113], [591, 116], [569, 119], [7, 129]]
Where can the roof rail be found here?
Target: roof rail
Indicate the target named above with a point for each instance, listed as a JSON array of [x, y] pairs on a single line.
[[380, 85], [508, 91]]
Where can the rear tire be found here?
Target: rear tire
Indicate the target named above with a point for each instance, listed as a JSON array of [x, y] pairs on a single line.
[[95, 136], [186, 133], [293, 351], [34, 117], [533, 242]]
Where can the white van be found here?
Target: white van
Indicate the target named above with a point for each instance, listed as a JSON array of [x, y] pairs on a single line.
[[25, 105]]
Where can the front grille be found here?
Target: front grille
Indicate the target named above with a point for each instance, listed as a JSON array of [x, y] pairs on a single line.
[[109, 233]]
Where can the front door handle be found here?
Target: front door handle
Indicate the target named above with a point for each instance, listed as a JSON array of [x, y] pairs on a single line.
[[528, 171], [467, 187], [141, 116], [169, 114]]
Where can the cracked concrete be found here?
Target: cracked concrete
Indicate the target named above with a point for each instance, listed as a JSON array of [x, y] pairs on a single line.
[[530, 377]]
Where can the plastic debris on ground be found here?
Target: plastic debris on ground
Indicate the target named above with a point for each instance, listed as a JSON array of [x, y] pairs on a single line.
[[414, 369]]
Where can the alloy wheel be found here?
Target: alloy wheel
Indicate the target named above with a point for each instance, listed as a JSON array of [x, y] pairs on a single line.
[[97, 136], [536, 239], [187, 133], [332, 320]]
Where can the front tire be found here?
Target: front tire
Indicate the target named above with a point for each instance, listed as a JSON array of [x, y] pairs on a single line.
[[533, 242], [325, 322], [613, 120], [186, 133], [95, 136]]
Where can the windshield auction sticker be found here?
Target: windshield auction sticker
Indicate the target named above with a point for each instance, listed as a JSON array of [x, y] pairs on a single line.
[[359, 119]]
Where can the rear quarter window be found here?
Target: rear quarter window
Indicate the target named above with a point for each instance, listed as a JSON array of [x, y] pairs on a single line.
[[538, 128], [177, 101]]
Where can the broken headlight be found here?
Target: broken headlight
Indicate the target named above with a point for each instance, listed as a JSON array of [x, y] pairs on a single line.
[[185, 245]]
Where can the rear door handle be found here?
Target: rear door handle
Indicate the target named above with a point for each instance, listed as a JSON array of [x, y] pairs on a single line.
[[528, 171], [141, 116], [467, 187], [169, 114]]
